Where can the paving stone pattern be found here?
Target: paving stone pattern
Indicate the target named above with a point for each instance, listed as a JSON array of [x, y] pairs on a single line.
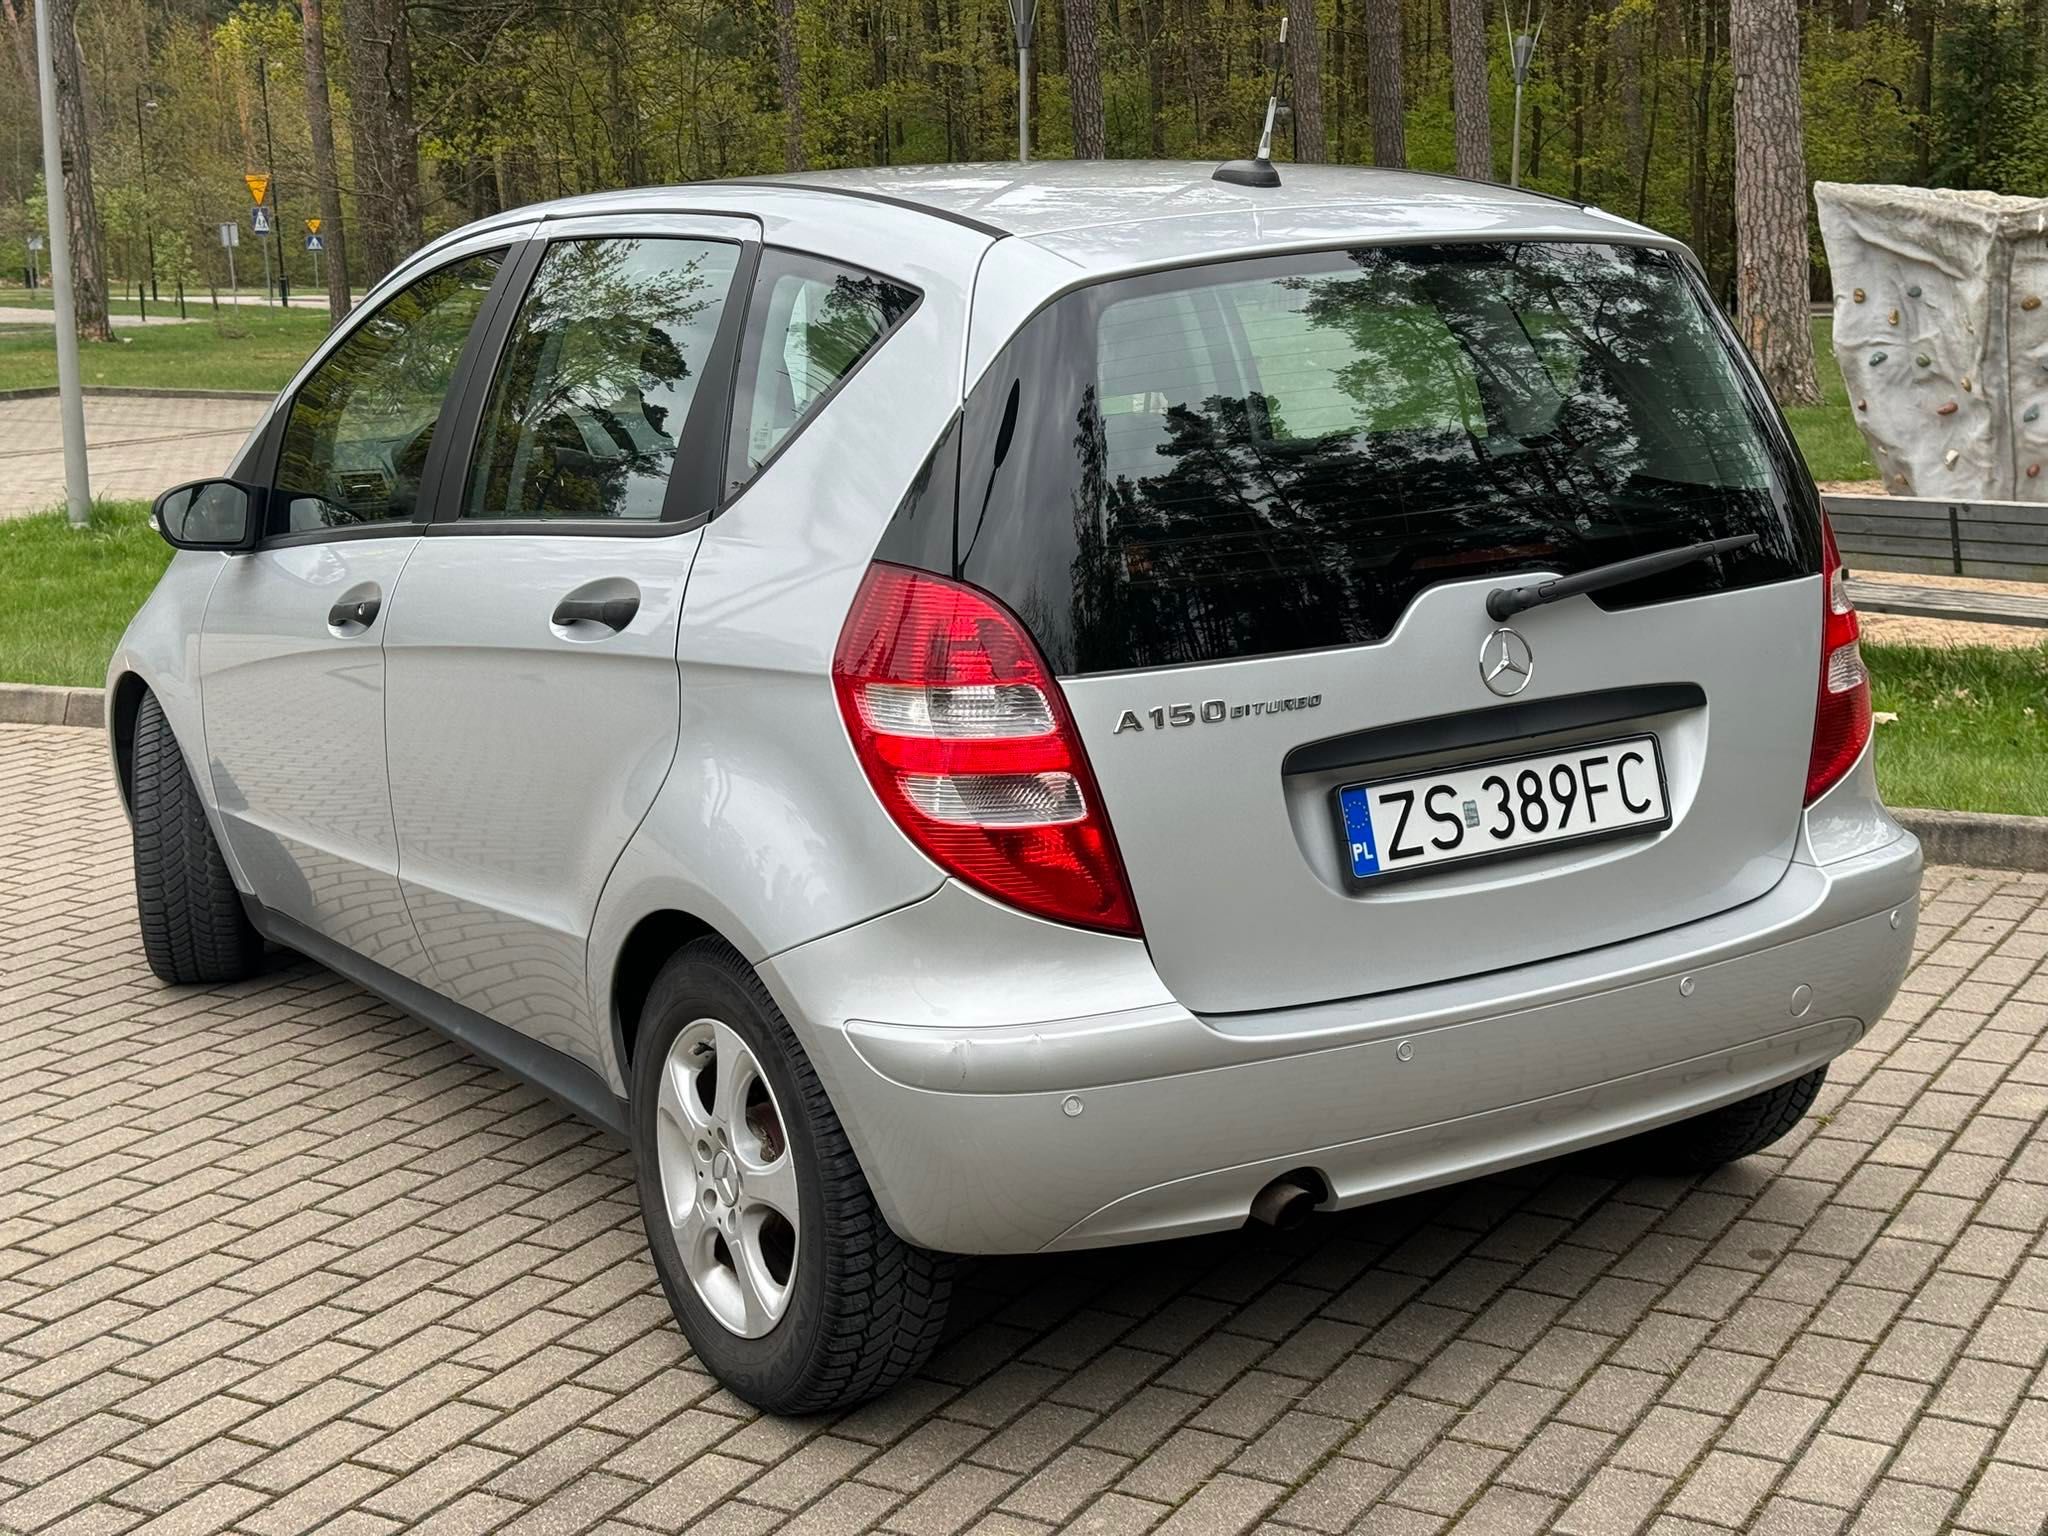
[[136, 446], [274, 1258]]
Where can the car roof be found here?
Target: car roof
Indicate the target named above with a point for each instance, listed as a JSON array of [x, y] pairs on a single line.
[[1105, 216], [1062, 197]]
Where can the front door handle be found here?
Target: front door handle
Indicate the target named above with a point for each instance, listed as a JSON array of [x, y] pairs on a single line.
[[614, 613], [361, 611]]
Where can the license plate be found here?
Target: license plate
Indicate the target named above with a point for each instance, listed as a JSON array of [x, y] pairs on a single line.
[[1487, 810]]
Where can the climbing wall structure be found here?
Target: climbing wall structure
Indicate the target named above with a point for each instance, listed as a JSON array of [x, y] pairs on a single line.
[[1942, 335]]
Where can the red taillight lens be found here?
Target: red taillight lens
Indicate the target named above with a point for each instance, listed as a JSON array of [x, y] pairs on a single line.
[[967, 740], [1841, 720]]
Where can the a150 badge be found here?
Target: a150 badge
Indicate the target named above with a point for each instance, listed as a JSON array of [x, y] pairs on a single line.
[[1209, 712]]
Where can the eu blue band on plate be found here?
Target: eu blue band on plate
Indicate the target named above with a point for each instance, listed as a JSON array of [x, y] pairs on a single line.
[[1358, 839]]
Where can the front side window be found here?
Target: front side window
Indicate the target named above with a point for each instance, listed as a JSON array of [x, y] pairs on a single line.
[[355, 444], [598, 377], [815, 323], [1277, 455]]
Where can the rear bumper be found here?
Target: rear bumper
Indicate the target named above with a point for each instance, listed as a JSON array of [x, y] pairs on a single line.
[[983, 1131]]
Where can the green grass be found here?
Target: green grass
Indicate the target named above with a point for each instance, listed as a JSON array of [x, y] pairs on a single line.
[[66, 595], [1827, 433], [1972, 732], [244, 348]]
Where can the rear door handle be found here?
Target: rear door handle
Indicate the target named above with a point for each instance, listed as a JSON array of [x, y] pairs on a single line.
[[362, 611], [614, 613]]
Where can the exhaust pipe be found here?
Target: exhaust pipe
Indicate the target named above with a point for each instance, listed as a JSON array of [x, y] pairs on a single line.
[[1284, 1203]]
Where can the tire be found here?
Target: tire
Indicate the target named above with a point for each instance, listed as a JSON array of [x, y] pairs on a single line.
[[193, 927], [861, 1308], [1734, 1130]]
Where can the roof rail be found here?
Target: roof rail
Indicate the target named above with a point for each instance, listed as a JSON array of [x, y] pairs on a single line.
[[772, 184], [1501, 186]]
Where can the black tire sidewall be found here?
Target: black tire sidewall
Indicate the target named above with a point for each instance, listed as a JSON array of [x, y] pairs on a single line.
[[695, 985], [194, 927], [1738, 1130]]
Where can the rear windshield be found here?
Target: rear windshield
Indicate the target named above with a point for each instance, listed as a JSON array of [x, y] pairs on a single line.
[[1269, 456]]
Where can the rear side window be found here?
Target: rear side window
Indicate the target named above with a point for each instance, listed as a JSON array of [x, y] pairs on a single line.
[[1259, 457], [598, 377], [810, 325]]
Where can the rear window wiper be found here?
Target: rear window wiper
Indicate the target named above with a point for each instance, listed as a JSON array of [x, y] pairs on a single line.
[[1503, 603]]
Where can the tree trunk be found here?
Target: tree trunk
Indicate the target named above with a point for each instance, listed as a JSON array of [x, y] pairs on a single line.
[[1342, 32], [1084, 80], [385, 137], [81, 213], [1771, 246], [367, 140], [1383, 96], [1471, 96], [21, 33], [1150, 13], [1920, 23], [1305, 59], [1698, 190], [320, 121], [1574, 31], [789, 74]]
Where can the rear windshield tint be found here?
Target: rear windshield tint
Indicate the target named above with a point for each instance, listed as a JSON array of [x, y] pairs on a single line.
[[1259, 457]]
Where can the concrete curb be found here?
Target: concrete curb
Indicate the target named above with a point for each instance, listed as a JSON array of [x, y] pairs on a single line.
[[143, 392], [1979, 839], [34, 704]]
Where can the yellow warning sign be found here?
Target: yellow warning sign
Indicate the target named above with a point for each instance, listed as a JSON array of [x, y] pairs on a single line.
[[312, 226], [258, 186]]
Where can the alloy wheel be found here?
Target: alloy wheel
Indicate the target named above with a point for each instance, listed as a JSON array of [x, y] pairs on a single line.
[[728, 1180]]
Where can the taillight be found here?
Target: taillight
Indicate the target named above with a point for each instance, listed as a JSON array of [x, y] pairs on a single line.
[[967, 740], [1841, 720]]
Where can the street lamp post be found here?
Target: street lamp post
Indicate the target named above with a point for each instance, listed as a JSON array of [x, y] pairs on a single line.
[[148, 224], [1023, 21], [1521, 51], [71, 398], [284, 283]]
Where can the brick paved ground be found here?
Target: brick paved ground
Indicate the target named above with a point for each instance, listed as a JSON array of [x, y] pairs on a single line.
[[135, 446], [273, 1258]]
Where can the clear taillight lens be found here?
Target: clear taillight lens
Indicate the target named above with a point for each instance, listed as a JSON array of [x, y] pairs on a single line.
[[967, 740], [1841, 718]]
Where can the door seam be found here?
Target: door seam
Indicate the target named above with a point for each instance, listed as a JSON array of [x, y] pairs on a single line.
[[601, 1004], [419, 939]]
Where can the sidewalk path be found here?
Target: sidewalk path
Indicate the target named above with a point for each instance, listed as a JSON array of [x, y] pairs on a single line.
[[275, 1258], [136, 446], [21, 315]]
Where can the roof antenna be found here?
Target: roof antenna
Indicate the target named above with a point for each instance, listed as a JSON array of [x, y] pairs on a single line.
[[1258, 171]]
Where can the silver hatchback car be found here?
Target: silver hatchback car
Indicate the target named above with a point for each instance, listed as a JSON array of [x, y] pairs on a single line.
[[999, 709]]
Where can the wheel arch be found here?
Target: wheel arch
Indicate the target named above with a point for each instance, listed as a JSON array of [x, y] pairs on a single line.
[[159, 653], [124, 703], [648, 946]]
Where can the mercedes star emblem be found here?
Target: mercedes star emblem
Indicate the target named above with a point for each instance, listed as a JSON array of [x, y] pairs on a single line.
[[1506, 662]]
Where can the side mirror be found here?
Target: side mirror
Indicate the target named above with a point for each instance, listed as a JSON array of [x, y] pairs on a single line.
[[210, 514]]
